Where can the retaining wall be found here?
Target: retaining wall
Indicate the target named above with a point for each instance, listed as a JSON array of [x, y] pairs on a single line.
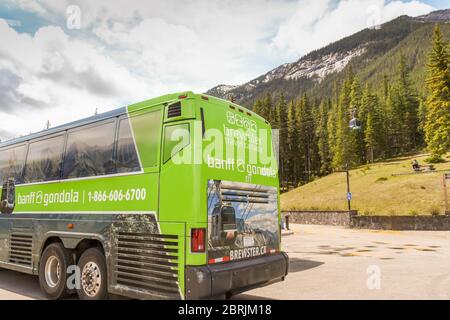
[[430, 223], [334, 218], [351, 219]]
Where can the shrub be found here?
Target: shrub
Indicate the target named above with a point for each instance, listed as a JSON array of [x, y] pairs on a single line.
[[435, 211], [434, 160]]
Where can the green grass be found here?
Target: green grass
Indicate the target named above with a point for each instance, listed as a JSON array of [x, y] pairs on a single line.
[[375, 190]]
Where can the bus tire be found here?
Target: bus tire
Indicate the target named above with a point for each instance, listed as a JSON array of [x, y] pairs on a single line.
[[93, 284], [53, 271]]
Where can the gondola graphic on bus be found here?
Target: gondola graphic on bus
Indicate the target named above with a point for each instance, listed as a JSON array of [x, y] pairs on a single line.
[[241, 216], [223, 221]]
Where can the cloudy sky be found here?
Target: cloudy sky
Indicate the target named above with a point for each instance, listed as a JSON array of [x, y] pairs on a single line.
[[62, 59]]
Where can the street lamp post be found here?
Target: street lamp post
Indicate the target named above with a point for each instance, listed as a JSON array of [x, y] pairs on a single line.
[[349, 195], [354, 124]]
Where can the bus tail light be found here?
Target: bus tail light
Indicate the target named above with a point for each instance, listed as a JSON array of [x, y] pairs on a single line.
[[198, 240]]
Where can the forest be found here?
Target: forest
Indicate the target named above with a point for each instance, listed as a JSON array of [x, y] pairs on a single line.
[[356, 124]]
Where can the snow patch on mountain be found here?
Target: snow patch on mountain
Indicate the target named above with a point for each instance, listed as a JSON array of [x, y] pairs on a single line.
[[309, 68], [277, 73], [316, 69], [325, 65], [223, 89]]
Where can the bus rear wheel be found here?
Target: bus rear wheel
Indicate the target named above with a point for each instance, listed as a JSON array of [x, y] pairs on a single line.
[[93, 284], [53, 271]]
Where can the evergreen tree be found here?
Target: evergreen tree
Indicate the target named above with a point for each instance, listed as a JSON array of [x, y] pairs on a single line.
[[306, 134], [267, 107], [403, 111], [281, 124], [293, 142], [370, 137], [410, 104], [422, 118], [331, 129], [437, 126], [343, 152], [257, 107], [323, 138], [376, 145]]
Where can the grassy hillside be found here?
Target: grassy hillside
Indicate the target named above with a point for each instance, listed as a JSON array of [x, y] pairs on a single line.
[[375, 190]]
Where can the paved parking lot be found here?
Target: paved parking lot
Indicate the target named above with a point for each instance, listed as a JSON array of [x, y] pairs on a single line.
[[335, 263]]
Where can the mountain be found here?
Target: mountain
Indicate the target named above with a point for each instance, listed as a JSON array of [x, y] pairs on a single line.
[[372, 53], [436, 16]]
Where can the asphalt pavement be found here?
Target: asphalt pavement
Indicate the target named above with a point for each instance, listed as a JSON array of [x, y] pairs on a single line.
[[334, 263]]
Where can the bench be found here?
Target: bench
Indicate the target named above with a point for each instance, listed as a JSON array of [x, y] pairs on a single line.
[[427, 167]]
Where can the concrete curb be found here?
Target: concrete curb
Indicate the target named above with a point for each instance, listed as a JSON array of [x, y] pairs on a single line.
[[285, 233]]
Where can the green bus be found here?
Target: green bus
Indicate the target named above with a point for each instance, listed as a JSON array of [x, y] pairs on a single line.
[[176, 197]]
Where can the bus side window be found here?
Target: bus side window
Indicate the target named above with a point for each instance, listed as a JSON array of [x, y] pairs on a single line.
[[176, 138], [146, 128], [11, 163], [89, 151], [44, 160], [127, 157]]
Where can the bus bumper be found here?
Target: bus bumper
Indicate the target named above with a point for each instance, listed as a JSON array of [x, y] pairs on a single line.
[[230, 278]]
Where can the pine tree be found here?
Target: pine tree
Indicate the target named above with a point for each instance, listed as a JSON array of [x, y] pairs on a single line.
[[373, 108], [410, 104], [281, 124], [369, 137], [402, 108], [422, 118], [267, 107], [257, 107], [343, 152], [323, 138], [331, 129], [306, 134], [293, 142], [437, 126]]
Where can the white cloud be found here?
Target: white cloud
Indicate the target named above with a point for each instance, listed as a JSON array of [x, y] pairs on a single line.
[[55, 77], [130, 50], [316, 23]]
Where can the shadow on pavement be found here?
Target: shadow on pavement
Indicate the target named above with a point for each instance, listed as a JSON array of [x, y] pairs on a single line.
[[20, 283], [28, 285], [296, 265]]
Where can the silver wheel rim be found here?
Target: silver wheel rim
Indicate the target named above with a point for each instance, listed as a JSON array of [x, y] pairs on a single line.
[[52, 271], [91, 279]]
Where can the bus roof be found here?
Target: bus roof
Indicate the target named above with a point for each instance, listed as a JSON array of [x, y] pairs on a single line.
[[120, 111]]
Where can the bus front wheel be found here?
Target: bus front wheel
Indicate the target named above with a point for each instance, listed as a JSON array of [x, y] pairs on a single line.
[[53, 271], [93, 284]]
